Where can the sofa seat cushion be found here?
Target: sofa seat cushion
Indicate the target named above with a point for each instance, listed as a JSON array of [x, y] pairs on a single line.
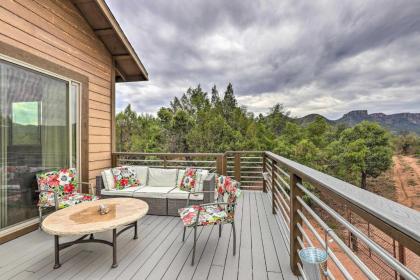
[[66, 200], [127, 192], [160, 177], [153, 192], [180, 194]]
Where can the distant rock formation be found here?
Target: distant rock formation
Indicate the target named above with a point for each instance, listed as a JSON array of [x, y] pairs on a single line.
[[396, 123]]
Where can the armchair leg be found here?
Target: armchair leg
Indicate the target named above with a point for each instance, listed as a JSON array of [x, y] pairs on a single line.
[[183, 235], [195, 241], [234, 238], [220, 230]]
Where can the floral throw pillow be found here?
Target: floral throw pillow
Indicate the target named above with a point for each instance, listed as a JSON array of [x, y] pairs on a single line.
[[124, 177], [62, 181], [189, 181]]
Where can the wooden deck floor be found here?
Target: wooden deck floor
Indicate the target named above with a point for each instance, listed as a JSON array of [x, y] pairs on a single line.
[[159, 253]]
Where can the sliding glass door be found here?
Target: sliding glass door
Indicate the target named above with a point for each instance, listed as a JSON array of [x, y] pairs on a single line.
[[39, 116]]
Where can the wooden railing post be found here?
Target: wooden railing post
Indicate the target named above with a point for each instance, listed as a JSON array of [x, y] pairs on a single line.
[[401, 256], [165, 162], [237, 170], [295, 219], [264, 162], [114, 160], [219, 165], [273, 187], [224, 169]]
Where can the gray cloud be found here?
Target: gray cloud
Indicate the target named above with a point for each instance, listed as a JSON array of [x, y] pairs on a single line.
[[325, 57]]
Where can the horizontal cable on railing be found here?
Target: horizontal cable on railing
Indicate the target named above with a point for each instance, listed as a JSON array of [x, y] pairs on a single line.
[[339, 242], [251, 181], [282, 171], [283, 191], [285, 203], [189, 161], [284, 183], [284, 214], [400, 268], [140, 160], [198, 167], [334, 258], [251, 177]]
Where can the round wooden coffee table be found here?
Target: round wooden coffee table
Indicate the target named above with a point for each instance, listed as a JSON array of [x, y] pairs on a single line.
[[84, 219]]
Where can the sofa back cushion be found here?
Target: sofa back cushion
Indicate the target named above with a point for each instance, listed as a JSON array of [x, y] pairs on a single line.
[[108, 179], [181, 173], [124, 177], [142, 173], [159, 177]]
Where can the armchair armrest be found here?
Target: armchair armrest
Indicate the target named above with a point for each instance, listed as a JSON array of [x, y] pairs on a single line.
[[55, 197], [203, 192], [209, 185]]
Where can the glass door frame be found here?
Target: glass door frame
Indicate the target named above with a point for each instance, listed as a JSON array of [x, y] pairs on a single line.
[[78, 113], [78, 105]]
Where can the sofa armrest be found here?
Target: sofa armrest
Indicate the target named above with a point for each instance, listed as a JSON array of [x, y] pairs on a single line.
[[209, 184], [99, 186]]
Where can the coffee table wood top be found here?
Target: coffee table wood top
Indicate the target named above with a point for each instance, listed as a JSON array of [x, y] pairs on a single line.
[[85, 218]]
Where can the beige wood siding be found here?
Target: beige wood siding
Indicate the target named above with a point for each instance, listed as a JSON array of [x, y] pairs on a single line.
[[55, 31]]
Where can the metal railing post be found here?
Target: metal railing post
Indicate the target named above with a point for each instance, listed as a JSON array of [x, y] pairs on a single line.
[[295, 219]]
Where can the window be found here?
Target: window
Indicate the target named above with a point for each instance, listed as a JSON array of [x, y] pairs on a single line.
[[25, 123]]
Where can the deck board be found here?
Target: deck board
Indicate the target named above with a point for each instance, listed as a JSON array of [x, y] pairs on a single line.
[[159, 253]]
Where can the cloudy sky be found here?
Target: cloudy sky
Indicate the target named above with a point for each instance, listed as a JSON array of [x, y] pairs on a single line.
[[326, 57]]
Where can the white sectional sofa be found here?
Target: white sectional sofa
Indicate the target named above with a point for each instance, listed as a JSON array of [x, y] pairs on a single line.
[[159, 188]]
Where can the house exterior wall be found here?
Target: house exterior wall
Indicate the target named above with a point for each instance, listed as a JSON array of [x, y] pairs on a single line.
[[54, 31]]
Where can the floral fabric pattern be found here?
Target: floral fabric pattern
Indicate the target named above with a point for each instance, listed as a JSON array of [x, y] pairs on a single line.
[[62, 181], [47, 199], [124, 177], [189, 181], [209, 215], [227, 192]]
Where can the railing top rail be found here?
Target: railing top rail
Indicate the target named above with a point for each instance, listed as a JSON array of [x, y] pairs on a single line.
[[398, 216], [168, 154], [244, 152]]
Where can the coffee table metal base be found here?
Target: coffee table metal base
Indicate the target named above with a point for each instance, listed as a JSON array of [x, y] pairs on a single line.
[[58, 247]]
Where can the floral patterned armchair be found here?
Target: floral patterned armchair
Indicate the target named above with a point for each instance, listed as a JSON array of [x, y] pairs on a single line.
[[59, 189], [222, 211]]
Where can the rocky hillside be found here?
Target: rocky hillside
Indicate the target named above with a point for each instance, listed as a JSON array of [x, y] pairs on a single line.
[[396, 123]]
